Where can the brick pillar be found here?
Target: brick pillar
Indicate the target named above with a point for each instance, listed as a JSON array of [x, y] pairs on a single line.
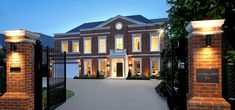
[[20, 71], [205, 66]]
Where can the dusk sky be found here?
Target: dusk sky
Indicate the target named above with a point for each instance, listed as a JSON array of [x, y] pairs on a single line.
[[59, 16]]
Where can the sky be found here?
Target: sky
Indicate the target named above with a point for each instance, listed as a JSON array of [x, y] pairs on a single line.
[[59, 16]]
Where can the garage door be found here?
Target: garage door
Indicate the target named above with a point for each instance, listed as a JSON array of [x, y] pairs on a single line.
[[72, 70]]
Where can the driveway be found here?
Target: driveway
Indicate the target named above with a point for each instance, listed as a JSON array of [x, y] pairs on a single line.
[[113, 94]]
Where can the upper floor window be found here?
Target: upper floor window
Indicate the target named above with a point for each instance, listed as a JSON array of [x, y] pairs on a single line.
[[102, 44], [64, 46], [136, 42], [87, 45], [119, 42], [75, 46], [154, 42]]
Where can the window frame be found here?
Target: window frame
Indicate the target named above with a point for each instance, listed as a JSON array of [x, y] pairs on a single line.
[[119, 36], [84, 46], [62, 43], [151, 63], [73, 41], [84, 66], [133, 65], [154, 34], [102, 37], [140, 36], [99, 67]]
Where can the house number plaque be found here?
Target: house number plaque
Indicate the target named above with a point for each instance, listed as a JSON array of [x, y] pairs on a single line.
[[207, 75]]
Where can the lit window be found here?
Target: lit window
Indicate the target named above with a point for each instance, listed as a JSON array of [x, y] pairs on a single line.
[[102, 67], [87, 67], [154, 42], [75, 46], [136, 42], [64, 46], [87, 45], [137, 66], [102, 44], [119, 43], [154, 67]]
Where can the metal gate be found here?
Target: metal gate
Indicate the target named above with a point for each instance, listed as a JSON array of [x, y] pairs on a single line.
[[56, 79], [2, 73], [51, 65], [176, 94], [229, 82]]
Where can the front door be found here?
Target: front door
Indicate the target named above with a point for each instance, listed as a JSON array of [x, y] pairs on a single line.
[[119, 70]]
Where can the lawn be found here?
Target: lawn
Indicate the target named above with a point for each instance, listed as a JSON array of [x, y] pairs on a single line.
[[69, 94]]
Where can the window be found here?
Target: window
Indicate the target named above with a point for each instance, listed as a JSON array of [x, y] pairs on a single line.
[[87, 45], [102, 67], [64, 46], [154, 42], [137, 66], [88, 67], [119, 42], [102, 44], [154, 66], [75, 46], [136, 42]]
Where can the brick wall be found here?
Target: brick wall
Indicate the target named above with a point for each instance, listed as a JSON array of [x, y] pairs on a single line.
[[20, 85], [202, 95]]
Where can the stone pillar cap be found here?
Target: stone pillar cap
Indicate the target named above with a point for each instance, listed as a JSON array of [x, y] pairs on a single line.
[[21, 35], [204, 23]]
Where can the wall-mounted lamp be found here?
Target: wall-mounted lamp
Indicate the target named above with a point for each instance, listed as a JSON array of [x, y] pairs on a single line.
[[12, 47], [208, 40], [108, 65]]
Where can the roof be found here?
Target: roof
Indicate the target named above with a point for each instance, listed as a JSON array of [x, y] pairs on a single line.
[[159, 20], [2, 40], [45, 40], [139, 18]]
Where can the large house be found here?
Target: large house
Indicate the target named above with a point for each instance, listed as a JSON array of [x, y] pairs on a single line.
[[113, 47]]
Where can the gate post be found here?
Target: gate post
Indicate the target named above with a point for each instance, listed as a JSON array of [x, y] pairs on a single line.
[[205, 66], [20, 70]]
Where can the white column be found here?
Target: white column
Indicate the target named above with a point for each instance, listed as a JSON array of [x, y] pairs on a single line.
[[124, 67], [111, 64]]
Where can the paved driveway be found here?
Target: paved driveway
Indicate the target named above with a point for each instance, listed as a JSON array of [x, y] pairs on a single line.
[[110, 94]]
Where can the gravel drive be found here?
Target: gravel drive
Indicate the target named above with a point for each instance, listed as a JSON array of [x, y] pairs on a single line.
[[113, 94]]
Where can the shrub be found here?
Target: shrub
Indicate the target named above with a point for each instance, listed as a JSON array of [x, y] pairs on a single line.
[[75, 77]]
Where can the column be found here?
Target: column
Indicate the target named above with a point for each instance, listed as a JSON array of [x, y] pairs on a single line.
[[205, 66]]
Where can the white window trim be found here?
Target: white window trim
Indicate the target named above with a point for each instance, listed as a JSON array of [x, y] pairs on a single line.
[[119, 36], [84, 47], [151, 63], [133, 36], [62, 49], [73, 46], [105, 64], [136, 59], [84, 65], [102, 37], [152, 34]]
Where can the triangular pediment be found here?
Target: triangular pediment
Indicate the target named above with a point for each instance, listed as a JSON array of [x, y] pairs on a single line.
[[119, 17]]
